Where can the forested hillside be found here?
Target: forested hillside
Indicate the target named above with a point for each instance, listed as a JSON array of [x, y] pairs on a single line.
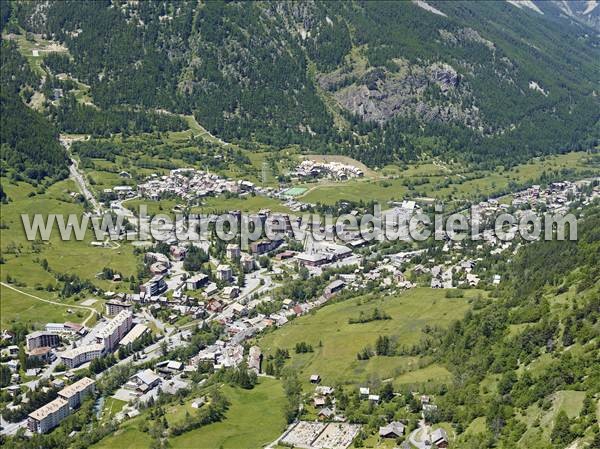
[[514, 354], [487, 82], [30, 147]]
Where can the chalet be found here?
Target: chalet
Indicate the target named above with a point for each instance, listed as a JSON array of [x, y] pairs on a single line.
[[325, 413], [211, 289], [177, 252], [394, 429], [439, 438], [231, 292]]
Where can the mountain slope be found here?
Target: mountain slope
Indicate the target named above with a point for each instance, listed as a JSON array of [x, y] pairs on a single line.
[[30, 147], [487, 82]]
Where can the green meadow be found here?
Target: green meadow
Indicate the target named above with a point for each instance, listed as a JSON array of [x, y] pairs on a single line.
[[336, 342], [23, 259], [249, 410]]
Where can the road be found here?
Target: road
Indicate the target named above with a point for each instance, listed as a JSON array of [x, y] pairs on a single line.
[[423, 429], [78, 176]]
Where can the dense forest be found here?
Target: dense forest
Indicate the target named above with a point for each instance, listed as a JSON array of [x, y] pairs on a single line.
[[487, 83], [30, 147]]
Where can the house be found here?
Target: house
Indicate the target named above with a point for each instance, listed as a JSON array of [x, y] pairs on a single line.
[[439, 438], [177, 252], [211, 289], [323, 390], [197, 403], [315, 379], [143, 381], [374, 398], [13, 365], [320, 401], [364, 391], [333, 288], [394, 429], [325, 413], [255, 358], [231, 292], [13, 350]]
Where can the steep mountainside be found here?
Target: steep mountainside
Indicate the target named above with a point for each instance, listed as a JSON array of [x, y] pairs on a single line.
[[487, 82], [29, 142]]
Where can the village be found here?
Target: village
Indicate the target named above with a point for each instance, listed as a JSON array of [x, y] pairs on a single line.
[[241, 291]]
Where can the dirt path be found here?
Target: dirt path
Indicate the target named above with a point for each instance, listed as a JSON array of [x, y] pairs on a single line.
[[70, 306]]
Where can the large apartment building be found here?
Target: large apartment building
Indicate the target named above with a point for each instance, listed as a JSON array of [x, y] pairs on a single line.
[[76, 393], [42, 339], [48, 416], [72, 358], [69, 398], [115, 330]]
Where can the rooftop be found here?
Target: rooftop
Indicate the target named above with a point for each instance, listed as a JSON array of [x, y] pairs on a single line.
[[74, 388], [49, 408]]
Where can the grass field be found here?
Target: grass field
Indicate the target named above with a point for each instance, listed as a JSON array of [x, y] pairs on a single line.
[[336, 342], [568, 401], [255, 418], [22, 258]]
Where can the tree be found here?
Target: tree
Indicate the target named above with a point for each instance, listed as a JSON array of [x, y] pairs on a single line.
[[561, 433]]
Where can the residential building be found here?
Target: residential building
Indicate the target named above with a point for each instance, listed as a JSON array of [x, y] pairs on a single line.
[[113, 307], [196, 281], [76, 393], [233, 251], [154, 286], [247, 262], [264, 246], [72, 358], [136, 332], [48, 416], [115, 330], [224, 273], [42, 339]]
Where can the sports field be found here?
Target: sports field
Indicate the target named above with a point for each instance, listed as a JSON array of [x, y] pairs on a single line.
[[295, 191]]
